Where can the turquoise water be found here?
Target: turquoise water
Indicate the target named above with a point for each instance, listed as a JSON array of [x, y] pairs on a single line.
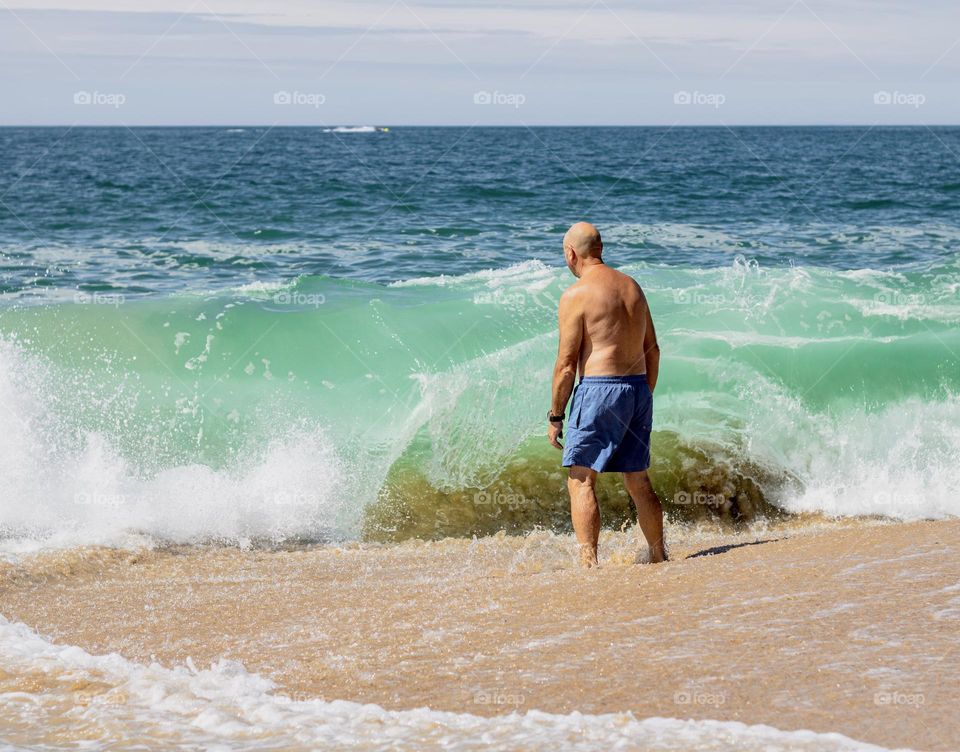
[[291, 333]]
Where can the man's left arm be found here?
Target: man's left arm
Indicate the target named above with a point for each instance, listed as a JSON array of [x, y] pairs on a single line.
[[568, 358]]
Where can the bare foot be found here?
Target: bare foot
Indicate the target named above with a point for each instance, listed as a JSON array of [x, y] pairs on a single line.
[[588, 556], [651, 557], [659, 556]]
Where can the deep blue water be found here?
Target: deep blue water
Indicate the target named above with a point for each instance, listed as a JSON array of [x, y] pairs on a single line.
[[152, 210]]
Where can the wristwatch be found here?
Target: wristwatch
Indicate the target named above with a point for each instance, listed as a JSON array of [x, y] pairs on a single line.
[[554, 418]]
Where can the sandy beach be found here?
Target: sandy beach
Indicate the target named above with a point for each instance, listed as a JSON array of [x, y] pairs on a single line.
[[328, 330], [845, 627]]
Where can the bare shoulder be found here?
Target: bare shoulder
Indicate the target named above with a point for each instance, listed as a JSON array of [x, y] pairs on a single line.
[[572, 296], [626, 278], [629, 285]]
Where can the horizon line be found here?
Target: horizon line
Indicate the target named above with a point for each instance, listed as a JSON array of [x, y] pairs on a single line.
[[478, 125]]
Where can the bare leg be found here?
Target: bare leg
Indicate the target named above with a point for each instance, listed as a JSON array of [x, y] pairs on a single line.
[[649, 513], [585, 512]]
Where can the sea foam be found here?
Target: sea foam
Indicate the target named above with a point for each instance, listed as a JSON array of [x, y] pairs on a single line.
[[224, 705]]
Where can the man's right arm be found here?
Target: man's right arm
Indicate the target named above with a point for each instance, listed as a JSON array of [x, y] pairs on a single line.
[[651, 351], [568, 358]]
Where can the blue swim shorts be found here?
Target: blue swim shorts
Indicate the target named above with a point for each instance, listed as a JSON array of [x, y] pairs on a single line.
[[609, 426]]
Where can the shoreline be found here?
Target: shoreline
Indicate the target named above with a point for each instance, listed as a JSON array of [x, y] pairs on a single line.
[[844, 627]]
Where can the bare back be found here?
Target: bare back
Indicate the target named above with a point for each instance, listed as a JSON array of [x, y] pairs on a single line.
[[606, 330], [615, 322]]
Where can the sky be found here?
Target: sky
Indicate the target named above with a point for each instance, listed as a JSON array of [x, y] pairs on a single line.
[[479, 62]]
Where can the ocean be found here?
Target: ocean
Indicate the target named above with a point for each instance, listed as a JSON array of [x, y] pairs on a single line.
[[272, 339]]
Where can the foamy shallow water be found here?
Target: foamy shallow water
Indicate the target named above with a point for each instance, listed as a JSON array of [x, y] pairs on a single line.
[[61, 697]]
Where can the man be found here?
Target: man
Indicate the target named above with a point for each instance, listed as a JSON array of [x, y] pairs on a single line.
[[606, 332]]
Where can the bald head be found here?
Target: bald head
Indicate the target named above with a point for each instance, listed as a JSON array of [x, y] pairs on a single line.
[[584, 239]]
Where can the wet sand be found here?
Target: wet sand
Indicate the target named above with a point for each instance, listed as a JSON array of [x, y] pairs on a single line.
[[847, 627]]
